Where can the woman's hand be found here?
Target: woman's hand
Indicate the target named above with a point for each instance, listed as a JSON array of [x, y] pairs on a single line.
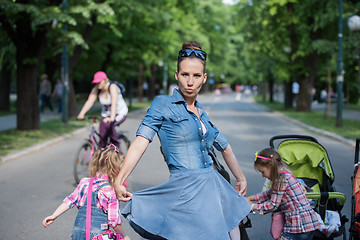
[[107, 120], [231, 161], [249, 201], [80, 117], [121, 193], [241, 187]]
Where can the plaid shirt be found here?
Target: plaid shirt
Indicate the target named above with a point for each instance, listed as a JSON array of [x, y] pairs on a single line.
[[290, 199], [106, 198]]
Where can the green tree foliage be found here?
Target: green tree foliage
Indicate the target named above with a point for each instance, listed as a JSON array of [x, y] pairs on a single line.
[[26, 24], [292, 40], [252, 42]]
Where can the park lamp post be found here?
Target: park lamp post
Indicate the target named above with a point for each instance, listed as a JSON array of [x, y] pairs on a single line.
[[340, 70], [354, 26]]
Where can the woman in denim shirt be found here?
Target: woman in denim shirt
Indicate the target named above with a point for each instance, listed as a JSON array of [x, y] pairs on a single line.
[[196, 202]]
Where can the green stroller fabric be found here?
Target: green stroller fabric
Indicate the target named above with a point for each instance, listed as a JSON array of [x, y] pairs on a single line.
[[307, 159]]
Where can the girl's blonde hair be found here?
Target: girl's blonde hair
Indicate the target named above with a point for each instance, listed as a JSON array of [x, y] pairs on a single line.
[[107, 161], [269, 157]]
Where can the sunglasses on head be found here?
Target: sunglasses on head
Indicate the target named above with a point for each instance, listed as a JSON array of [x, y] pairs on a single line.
[[188, 52]]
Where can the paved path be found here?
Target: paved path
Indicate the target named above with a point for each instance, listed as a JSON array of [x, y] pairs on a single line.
[[36, 183], [347, 114], [9, 121]]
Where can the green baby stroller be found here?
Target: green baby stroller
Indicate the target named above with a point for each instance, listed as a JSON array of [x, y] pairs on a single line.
[[308, 160]]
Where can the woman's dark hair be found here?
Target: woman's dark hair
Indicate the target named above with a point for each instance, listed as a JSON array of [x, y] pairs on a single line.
[[190, 45], [274, 161]]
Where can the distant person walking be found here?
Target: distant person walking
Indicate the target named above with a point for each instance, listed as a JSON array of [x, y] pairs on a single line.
[[323, 95], [45, 93], [172, 87], [58, 89], [295, 91]]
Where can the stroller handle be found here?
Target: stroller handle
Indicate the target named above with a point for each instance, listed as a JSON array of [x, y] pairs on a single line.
[[356, 159], [294, 137], [332, 195]]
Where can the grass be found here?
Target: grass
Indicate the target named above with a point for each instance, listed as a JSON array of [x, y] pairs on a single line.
[[138, 105], [11, 111], [13, 140], [349, 130], [353, 106]]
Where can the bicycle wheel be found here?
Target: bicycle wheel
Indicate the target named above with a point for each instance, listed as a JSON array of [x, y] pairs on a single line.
[[82, 161], [124, 144]]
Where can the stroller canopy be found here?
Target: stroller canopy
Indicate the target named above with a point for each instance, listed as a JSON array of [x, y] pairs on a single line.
[[307, 159]]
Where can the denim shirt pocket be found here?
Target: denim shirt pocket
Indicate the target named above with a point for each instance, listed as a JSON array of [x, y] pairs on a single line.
[[181, 125]]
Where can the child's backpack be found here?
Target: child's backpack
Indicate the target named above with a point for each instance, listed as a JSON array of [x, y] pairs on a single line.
[[120, 85]]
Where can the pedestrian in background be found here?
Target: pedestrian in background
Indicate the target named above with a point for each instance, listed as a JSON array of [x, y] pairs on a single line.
[[105, 209], [196, 202], [58, 89], [172, 87], [45, 93], [295, 91]]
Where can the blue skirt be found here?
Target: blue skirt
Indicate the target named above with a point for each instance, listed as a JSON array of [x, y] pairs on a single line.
[[196, 203]]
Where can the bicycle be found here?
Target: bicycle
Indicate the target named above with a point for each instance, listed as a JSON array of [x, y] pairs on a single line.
[[90, 146]]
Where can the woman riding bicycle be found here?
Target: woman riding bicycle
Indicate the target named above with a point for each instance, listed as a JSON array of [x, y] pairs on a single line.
[[114, 109]]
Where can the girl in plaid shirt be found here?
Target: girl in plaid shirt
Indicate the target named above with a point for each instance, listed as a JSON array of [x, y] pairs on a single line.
[[104, 167], [286, 195]]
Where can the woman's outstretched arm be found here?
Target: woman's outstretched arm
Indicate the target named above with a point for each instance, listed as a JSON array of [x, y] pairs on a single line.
[[231, 161], [135, 152]]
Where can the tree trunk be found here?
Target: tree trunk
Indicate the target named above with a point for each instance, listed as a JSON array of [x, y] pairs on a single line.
[[303, 103], [27, 104], [51, 66], [271, 86], [30, 45], [288, 96], [29, 55], [151, 88], [288, 101], [72, 106], [5, 79], [140, 82], [107, 59]]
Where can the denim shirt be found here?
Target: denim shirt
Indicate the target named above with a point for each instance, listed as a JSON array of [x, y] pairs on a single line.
[[180, 132]]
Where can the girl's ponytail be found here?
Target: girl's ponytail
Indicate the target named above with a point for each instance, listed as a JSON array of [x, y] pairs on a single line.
[[107, 161]]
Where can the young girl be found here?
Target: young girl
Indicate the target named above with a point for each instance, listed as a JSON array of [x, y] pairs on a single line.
[[286, 195], [104, 167]]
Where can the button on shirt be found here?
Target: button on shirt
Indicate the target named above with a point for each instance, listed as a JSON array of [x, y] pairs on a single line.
[[185, 143]]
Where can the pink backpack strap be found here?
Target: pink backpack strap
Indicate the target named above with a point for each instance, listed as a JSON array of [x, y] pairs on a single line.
[[88, 209]]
